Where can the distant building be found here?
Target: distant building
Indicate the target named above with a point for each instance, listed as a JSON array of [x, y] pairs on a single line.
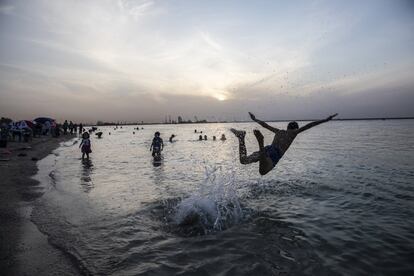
[[180, 120]]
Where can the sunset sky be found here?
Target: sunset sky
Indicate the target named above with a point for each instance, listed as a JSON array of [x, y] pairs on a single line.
[[112, 60]]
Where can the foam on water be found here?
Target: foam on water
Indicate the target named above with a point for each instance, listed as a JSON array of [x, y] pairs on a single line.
[[214, 205]]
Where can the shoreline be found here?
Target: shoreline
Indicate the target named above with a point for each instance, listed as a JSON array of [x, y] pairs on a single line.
[[112, 124], [24, 249]]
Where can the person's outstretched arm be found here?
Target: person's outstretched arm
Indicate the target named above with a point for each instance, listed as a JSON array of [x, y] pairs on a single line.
[[310, 125], [263, 124]]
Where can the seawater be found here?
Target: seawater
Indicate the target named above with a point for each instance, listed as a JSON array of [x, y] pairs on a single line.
[[340, 202]]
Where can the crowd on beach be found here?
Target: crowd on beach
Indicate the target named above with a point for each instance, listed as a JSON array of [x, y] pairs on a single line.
[[25, 130]]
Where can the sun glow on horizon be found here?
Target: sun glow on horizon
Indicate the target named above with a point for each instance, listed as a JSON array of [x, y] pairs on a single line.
[[220, 97]]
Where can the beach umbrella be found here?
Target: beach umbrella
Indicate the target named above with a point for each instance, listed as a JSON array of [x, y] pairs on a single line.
[[42, 120]]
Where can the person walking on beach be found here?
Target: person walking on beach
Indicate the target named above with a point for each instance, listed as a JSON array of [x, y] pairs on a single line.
[[80, 128], [268, 156], [71, 127], [65, 127], [157, 145], [86, 146]]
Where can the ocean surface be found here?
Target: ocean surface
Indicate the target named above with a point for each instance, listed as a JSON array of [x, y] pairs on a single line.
[[340, 202]]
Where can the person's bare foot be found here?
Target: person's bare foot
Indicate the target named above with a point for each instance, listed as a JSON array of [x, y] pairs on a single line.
[[239, 133], [259, 135]]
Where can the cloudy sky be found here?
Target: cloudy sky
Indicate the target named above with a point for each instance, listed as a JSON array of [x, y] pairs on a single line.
[[142, 60]]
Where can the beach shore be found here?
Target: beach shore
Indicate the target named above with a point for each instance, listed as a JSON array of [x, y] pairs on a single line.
[[24, 249]]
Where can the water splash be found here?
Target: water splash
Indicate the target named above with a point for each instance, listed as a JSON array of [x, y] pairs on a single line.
[[214, 206]]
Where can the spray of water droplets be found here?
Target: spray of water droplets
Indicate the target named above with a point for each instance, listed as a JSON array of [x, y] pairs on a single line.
[[214, 206]]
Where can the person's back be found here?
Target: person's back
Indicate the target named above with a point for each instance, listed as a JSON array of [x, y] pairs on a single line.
[[65, 127], [157, 144], [283, 139]]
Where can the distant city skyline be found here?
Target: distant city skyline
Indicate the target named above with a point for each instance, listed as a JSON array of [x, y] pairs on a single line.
[[125, 60]]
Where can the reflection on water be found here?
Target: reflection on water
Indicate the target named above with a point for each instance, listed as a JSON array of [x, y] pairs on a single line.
[[86, 176], [339, 202]]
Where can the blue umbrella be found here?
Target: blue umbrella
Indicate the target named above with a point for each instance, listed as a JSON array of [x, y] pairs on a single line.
[[42, 120]]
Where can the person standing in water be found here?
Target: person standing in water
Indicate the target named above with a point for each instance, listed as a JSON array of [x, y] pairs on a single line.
[[86, 146], [268, 156], [157, 144]]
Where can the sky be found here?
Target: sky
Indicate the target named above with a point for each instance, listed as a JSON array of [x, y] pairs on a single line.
[[124, 60]]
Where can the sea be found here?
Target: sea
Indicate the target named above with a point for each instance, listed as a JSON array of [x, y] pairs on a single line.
[[339, 202]]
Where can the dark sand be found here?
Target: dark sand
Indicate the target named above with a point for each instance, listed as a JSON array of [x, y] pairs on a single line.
[[23, 249]]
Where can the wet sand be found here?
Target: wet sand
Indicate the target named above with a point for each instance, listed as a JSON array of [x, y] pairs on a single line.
[[24, 250]]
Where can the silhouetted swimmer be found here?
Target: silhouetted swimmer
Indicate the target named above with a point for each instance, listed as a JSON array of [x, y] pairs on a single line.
[[223, 137], [157, 145], [99, 134], [205, 137], [133, 132], [200, 137], [214, 138], [269, 156], [171, 138], [109, 133], [195, 130]]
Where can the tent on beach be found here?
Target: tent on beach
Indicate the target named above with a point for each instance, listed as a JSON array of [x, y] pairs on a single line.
[[23, 124], [42, 120], [28, 123]]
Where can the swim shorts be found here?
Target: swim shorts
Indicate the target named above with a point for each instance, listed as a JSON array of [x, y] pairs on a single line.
[[273, 153]]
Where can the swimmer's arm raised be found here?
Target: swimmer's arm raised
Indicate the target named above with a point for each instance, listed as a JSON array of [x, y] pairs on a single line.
[[310, 125], [263, 124]]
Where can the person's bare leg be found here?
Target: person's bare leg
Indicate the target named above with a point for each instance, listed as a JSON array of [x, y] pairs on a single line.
[[265, 164], [244, 159]]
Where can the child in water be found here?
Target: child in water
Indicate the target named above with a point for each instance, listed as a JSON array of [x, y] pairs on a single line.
[[86, 145], [157, 144]]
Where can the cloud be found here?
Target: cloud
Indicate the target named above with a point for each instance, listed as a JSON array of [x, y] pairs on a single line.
[[6, 9], [128, 59]]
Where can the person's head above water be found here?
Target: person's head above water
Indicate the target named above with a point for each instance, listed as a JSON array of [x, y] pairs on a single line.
[[293, 125], [157, 134], [85, 135]]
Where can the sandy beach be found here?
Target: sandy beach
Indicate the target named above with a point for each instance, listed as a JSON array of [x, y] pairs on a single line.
[[25, 250]]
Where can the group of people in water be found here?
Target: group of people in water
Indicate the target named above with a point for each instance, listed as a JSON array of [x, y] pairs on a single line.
[[222, 138], [267, 156]]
